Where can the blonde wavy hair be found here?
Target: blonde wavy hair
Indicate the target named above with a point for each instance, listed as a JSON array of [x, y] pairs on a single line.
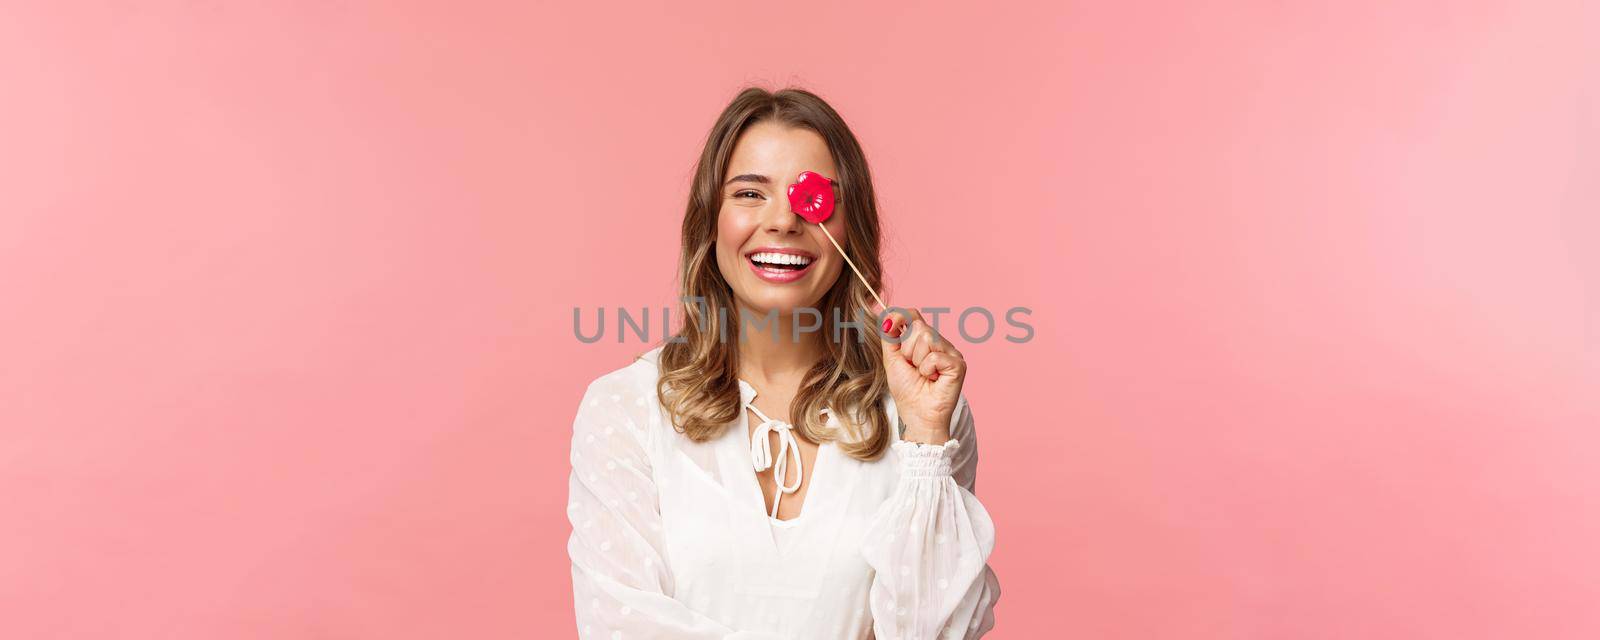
[[699, 371]]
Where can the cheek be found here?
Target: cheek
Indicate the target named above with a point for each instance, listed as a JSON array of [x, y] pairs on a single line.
[[732, 231], [835, 262], [836, 226]]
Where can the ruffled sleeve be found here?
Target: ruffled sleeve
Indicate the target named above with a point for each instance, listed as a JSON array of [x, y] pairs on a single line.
[[929, 544], [621, 586]]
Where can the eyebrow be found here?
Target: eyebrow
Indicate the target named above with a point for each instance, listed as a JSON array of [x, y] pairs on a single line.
[[748, 177], [761, 179]]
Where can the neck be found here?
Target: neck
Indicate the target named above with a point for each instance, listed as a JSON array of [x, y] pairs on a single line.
[[773, 352]]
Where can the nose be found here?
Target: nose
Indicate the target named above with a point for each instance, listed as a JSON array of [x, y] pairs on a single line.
[[782, 219]]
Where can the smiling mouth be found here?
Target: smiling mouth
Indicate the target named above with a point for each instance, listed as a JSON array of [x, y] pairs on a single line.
[[780, 262], [779, 268]]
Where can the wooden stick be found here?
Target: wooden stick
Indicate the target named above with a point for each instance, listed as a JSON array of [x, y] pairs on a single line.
[[847, 261]]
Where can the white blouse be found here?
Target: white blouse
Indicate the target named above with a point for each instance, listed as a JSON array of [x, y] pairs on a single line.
[[672, 538]]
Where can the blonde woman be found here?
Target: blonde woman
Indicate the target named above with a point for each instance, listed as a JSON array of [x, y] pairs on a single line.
[[779, 468]]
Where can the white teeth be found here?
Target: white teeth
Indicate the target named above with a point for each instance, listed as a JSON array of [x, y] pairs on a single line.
[[781, 258]]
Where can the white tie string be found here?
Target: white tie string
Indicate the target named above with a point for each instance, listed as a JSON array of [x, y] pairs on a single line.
[[761, 454]]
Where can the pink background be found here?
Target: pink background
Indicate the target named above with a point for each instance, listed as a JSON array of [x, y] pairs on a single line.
[[286, 297]]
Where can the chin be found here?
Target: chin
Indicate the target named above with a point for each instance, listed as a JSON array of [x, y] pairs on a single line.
[[784, 302], [784, 306]]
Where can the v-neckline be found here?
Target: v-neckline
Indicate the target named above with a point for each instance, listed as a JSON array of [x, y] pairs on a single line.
[[752, 482]]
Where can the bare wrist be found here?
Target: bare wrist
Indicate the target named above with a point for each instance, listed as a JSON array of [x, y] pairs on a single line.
[[922, 434]]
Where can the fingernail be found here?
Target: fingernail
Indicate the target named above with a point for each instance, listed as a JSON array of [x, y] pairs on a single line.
[[886, 323]]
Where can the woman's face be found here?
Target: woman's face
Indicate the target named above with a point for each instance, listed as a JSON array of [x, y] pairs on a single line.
[[756, 222]]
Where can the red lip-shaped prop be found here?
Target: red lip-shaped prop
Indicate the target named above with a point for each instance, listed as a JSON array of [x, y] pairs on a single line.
[[812, 197]]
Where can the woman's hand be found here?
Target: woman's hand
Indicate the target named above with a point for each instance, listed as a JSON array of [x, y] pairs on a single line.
[[925, 376]]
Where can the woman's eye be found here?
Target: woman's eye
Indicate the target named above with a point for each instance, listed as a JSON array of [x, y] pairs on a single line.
[[741, 193]]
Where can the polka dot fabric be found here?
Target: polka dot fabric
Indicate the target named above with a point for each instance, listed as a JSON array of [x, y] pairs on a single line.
[[663, 547]]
